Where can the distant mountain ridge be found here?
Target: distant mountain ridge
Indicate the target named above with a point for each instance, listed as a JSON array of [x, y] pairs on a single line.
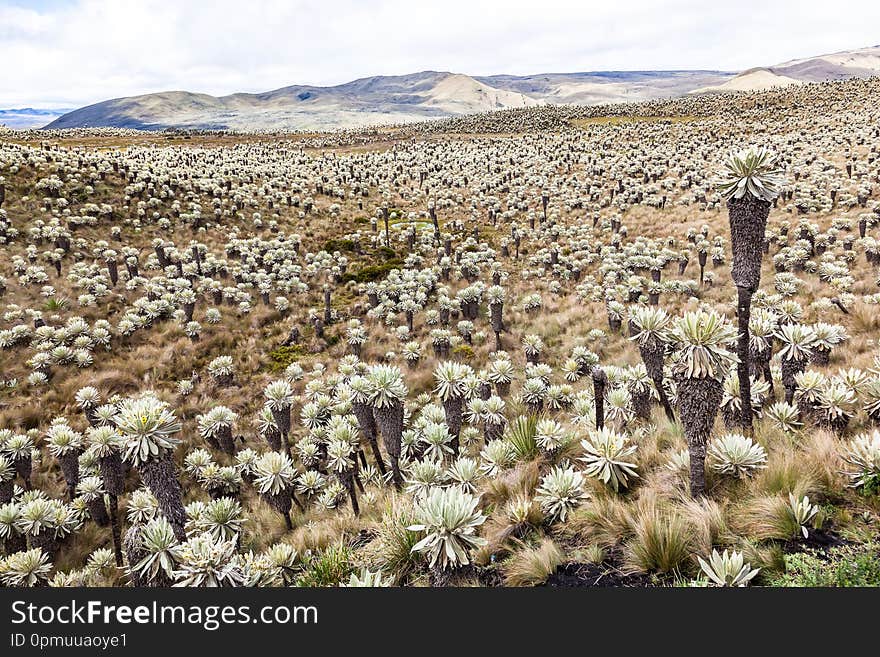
[[435, 94], [860, 63], [29, 117]]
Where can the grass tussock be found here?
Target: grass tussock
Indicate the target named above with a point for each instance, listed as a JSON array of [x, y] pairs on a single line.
[[520, 480], [329, 567], [661, 542], [767, 518], [531, 566], [391, 548]]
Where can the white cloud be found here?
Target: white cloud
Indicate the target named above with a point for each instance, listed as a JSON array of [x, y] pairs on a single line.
[[74, 52]]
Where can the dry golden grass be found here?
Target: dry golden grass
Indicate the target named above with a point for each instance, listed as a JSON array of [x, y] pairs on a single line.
[[661, 541], [531, 566], [604, 521], [767, 518], [707, 520], [520, 480]]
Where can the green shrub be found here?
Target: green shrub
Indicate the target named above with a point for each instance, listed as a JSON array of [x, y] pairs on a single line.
[[371, 272], [848, 565], [338, 245], [387, 254], [871, 487], [463, 352], [281, 357]]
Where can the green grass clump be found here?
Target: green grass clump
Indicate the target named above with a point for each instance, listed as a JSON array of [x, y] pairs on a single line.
[[848, 565], [521, 434], [328, 567], [281, 357], [338, 245], [371, 272], [386, 254], [56, 303]]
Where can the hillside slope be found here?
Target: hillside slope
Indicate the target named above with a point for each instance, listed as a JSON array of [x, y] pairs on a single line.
[[432, 94]]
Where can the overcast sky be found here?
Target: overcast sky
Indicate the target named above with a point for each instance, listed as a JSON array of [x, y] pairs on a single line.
[[68, 53]]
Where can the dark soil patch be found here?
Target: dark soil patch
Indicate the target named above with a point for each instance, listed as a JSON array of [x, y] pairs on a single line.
[[819, 540], [601, 575], [490, 577]]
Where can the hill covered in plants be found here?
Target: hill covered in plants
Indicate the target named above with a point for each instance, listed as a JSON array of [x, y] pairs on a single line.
[[509, 348]]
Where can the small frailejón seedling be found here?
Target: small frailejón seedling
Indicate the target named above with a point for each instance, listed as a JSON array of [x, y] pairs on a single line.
[[607, 455], [449, 518], [728, 569]]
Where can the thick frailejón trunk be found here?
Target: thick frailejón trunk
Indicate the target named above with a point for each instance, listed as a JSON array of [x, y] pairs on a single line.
[[115, 528], [452, 576], [225, 440], [347, 479], [698, 401], [748, 223], [808, 409], [281, 502], [760, 364], [113, 272], [160, 476], [390, 422], [7, 489], [282, 420], [599, 381], [495, 316], [45, 540], [134, 552], [273, 438], [113, 475], [493, 431], [791, 367], [743, 311], [13, 543], [652, 356], [98, 511], [453, 407], [820, 356], [731, 416], [641, 401], [69, 462], [367, 424], [24, 466]]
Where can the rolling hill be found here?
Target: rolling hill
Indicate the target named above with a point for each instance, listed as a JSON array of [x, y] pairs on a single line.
[[432, 94], [861, 63]]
